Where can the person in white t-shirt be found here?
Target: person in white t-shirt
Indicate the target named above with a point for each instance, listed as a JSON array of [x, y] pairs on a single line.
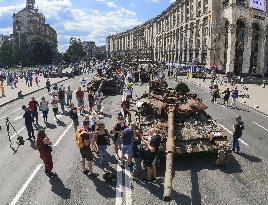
[[54, 104], [44, 108], [98, 99]]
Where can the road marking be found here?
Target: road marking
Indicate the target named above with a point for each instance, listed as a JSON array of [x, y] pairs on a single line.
[[223, 106], [119, 187], [260, 126], [18, 118], [231, 133], [25, 185], [17, 132], [16, 110], [128, 185], [63, 134], [4, 116]]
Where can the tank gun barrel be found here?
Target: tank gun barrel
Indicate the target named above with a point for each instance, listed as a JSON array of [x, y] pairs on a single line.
[[169, 154]]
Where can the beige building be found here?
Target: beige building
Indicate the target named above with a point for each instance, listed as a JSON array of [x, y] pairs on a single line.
[[231, 34], [29, 24]]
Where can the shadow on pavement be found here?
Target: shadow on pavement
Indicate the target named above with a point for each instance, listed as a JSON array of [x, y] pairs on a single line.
[[107, 190], [157, 189], [59, 189], [61, 123], [50, 126], [250, 158]]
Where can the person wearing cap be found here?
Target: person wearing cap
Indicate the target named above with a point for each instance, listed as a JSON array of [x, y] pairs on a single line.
[[238, 131], [74, 116], [33, 104], [28, 122]]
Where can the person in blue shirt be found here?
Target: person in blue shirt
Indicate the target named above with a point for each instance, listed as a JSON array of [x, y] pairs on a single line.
[[234, 96]]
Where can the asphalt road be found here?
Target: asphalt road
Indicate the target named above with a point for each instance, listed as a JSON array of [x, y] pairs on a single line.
[[196, 179]]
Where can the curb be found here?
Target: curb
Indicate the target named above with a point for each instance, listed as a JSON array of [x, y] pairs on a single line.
[[8, 102], [247, 106]]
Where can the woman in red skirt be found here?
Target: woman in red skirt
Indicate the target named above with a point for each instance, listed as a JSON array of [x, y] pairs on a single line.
[[44, 147]]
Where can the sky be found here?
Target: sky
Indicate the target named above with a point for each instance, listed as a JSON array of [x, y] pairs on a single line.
[[90, 20]]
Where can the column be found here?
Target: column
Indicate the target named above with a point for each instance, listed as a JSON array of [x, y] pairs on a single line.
[[261, 53], [247, 50], [231, 48]]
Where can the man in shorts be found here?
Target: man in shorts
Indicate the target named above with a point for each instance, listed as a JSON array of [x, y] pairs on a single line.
[[127, 139], [86, 154]]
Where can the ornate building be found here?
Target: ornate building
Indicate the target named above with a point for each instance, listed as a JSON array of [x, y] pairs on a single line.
[[231, 34], [29, 24]]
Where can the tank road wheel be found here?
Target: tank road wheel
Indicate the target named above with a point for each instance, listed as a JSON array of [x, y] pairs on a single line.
[[223, 157]]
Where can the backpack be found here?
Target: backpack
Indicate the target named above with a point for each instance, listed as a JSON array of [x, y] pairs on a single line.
[[78, 138]]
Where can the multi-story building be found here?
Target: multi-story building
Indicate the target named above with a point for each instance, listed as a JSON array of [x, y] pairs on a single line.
[[29, 24], [4, 38], [231, 34], [94, 51]]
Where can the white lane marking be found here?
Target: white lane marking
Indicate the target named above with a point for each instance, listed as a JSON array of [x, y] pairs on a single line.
[[63, 134], [128, 185], [223, 106], [18, 118], [17, 132], [25, 185], [260, 126], [119, 186], [4, 117], [231, 133], [16, 110]]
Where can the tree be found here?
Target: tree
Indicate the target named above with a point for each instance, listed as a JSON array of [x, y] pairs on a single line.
[[40, 52], [75, 52]]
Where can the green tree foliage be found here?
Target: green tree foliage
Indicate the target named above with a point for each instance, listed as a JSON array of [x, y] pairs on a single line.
[[75, 52]]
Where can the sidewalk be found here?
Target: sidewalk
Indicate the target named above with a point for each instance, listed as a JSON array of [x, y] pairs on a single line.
[[258, 96], [12, 94]]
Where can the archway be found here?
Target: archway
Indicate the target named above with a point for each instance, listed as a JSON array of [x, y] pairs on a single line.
[[239, 47], [254, 48]]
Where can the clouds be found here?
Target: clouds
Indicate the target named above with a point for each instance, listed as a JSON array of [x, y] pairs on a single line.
[[89, 20]]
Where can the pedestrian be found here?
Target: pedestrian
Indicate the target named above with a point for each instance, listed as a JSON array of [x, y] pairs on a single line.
[[152, 144], [234, 96], [36, 80], [84, 140], [74, 116], [215, 93], [44, 108], [44, 147], [61, 96], [264, 83], [118, 127], [127, 139], [91, 100], [48, 85], [137, 149], [125, 105], [28, 122], [101, 137], [93, 121], [69, 94], [98, 100], [54, 104], [2, 87], [238, 132], [33, 104], [30, 80], [226, 97], [80, 99]]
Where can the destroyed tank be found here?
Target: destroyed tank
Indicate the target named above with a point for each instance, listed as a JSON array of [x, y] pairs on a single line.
[[194, 130], [107, 84]]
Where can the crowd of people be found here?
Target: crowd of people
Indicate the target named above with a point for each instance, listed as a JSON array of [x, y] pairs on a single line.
[[92, 137]]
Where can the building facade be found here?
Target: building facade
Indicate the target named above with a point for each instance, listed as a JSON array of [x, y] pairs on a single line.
[[29, 24], [231, 34]]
